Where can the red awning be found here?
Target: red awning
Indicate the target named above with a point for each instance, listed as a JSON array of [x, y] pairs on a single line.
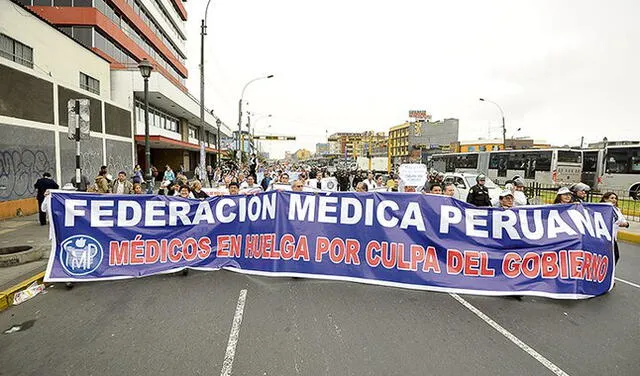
[[160, 142]]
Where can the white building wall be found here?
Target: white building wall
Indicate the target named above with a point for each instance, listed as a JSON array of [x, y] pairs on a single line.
[[54, 53], [125, 83], [165, 25], [182, 25]]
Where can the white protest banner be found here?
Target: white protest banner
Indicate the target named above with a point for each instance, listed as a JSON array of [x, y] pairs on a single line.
[[413, 174]]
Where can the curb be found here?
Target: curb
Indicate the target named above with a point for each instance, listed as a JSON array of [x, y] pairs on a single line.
[[6, 296], [629, 237]]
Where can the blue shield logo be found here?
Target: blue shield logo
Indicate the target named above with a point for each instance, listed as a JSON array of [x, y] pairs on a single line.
[[80, 254]]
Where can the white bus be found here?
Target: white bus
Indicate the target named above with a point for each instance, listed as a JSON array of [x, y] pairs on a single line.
[[544, 166], [619, 170]]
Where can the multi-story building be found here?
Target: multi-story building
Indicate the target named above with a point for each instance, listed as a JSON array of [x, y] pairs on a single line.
[[301, 155], [124, 32], [52, 51], [356, 144], [373, 144], [407, 140]]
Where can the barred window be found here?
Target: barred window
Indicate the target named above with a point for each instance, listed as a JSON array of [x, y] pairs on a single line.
[[89, 83], [13, 50]]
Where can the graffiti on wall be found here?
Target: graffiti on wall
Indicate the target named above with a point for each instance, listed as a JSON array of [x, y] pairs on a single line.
[[90, 162], [19, 170], [116, 163]]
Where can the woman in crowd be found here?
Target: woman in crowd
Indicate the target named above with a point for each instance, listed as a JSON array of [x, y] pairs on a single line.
[[564, 196], [185, 192], [137, 189], [169, 174], [137, 175], [197, 190], [621, 221], [362, 187]]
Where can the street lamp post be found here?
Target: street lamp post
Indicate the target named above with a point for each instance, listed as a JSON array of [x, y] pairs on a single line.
[[218, 122], [253, 129], [203, 32], [145, 70], [504, 129], [240, 145]]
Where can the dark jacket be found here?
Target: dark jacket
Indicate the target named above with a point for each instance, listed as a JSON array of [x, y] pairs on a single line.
[[42, 185], [200, 194], [479, 196]]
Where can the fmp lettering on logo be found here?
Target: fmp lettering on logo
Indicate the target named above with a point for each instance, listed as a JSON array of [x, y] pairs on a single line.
[[81, 255]]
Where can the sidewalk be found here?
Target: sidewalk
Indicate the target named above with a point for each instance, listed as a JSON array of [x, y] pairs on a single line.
[[23, 231], [631, 234]]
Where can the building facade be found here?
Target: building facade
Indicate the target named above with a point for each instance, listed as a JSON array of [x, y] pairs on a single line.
[[124, 32], [408, 140], [57, 50], [358, 144], [38, 79]]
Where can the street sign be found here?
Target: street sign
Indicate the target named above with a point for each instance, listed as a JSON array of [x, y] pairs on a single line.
[[413, 174], [73, 118], [275, 138]]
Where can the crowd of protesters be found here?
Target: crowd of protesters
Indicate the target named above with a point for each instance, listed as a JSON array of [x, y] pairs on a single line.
[[231, 179]]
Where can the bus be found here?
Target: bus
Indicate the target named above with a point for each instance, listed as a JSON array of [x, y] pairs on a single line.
[[619, 170], [545, 166]]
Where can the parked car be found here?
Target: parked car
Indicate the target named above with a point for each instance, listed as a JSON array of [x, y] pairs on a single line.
[[464, 181]]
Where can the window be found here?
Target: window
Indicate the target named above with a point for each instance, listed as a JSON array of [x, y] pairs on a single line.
[[623, 161], [566, 156], [84, 35], [82, 3], [13, 50], [62, 3], [590, 161], [46, 3], [89, 83], [193, 132]]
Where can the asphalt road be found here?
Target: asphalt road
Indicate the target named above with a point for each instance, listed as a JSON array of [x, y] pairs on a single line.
[[175, 325]]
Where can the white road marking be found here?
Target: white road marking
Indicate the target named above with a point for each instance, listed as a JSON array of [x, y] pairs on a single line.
[[628, 283], [526, 348], [233, 336]]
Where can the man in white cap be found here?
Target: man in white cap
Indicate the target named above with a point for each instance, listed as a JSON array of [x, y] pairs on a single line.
[[506, 199], [519, 198], [579, 191]]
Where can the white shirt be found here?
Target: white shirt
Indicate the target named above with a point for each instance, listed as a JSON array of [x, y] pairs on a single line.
[[119, 188], [620, 220], [371, 184], [519, 198]]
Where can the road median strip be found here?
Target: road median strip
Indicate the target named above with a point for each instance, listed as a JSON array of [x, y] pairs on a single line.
[[6, 296], [629, 237]]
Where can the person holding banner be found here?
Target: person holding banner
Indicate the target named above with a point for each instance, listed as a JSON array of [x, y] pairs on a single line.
[[137, 189], [197, 190], [435, 189], [234, 188], [362, 187], [297, 186], [621, 221], [185, 192], [449, 190], [564, 196], [506, 199]]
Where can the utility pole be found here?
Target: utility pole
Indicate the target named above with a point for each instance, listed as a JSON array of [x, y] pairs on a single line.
[[77, 139]]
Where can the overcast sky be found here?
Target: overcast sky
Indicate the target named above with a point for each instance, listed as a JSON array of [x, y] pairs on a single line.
[[559, 69]]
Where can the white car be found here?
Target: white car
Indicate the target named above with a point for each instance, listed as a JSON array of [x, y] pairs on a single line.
[[464, 181]]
